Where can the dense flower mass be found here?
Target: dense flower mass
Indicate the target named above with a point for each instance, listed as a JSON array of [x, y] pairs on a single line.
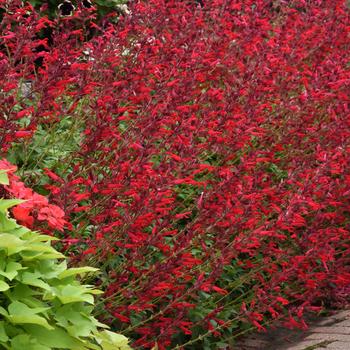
[[34, 206], [200, 152]]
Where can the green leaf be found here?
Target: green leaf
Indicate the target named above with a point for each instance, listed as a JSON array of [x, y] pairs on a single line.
[[3, 336], [112, 341], [43, 238], [21, 292], [18, 308], [24, 341], [72, 294], [20, 313], [12, 243], [55, 338], [41, 248], [76, 271], [9, 203], [47, 256], [6, 224], [3, 312], [12, 269], [29, 255], [32, 279], [19, 231], [4, 179], [35, 319], [76, 322], [4, 286], [51, 269]]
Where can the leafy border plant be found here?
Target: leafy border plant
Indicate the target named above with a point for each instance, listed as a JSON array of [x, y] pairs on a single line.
[[43, 306]]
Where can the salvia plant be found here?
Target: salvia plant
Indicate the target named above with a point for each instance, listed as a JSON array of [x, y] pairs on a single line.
[[63, 8], [200, 158]]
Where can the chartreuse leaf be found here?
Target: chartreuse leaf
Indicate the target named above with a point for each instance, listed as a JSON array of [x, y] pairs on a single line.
[[4, 286], [73, 294], [20, 313], [12, 269], [112, 341], [20, 232], [24, 341], [6, 224], [11, 243], [34, 255], [32, 279], [21, 291], [50, 269], [55, 338], [3, 312], [9, 203], [43, 238], [3, 335], [43, 248], [4, 179], [75, 321], [80, 329], [76, 271]]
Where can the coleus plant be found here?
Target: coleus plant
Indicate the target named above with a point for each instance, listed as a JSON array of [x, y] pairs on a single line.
[[209, 182], [43, 306]]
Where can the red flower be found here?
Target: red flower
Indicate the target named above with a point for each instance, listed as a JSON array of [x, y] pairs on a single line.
[[23, 134], [53, 215], [23, 215]]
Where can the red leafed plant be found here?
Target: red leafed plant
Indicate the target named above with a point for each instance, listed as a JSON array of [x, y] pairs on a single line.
[[208, 174]]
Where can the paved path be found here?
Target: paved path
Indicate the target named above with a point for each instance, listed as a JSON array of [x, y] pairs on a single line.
[[331, 332]]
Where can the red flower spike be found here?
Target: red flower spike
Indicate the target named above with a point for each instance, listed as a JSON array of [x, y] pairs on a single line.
[[213, 147]]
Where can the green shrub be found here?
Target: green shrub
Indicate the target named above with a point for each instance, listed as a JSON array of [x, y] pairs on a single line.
[[42, 304], [103, 6]]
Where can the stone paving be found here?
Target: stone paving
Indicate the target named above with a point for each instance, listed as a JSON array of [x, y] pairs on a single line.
[[331, 332]]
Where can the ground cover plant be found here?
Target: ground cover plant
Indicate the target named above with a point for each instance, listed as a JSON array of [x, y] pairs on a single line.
[[199, 153]]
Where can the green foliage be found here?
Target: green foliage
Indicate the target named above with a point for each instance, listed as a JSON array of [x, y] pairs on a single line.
[[42, 304], [103, 6], [50, 147]]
